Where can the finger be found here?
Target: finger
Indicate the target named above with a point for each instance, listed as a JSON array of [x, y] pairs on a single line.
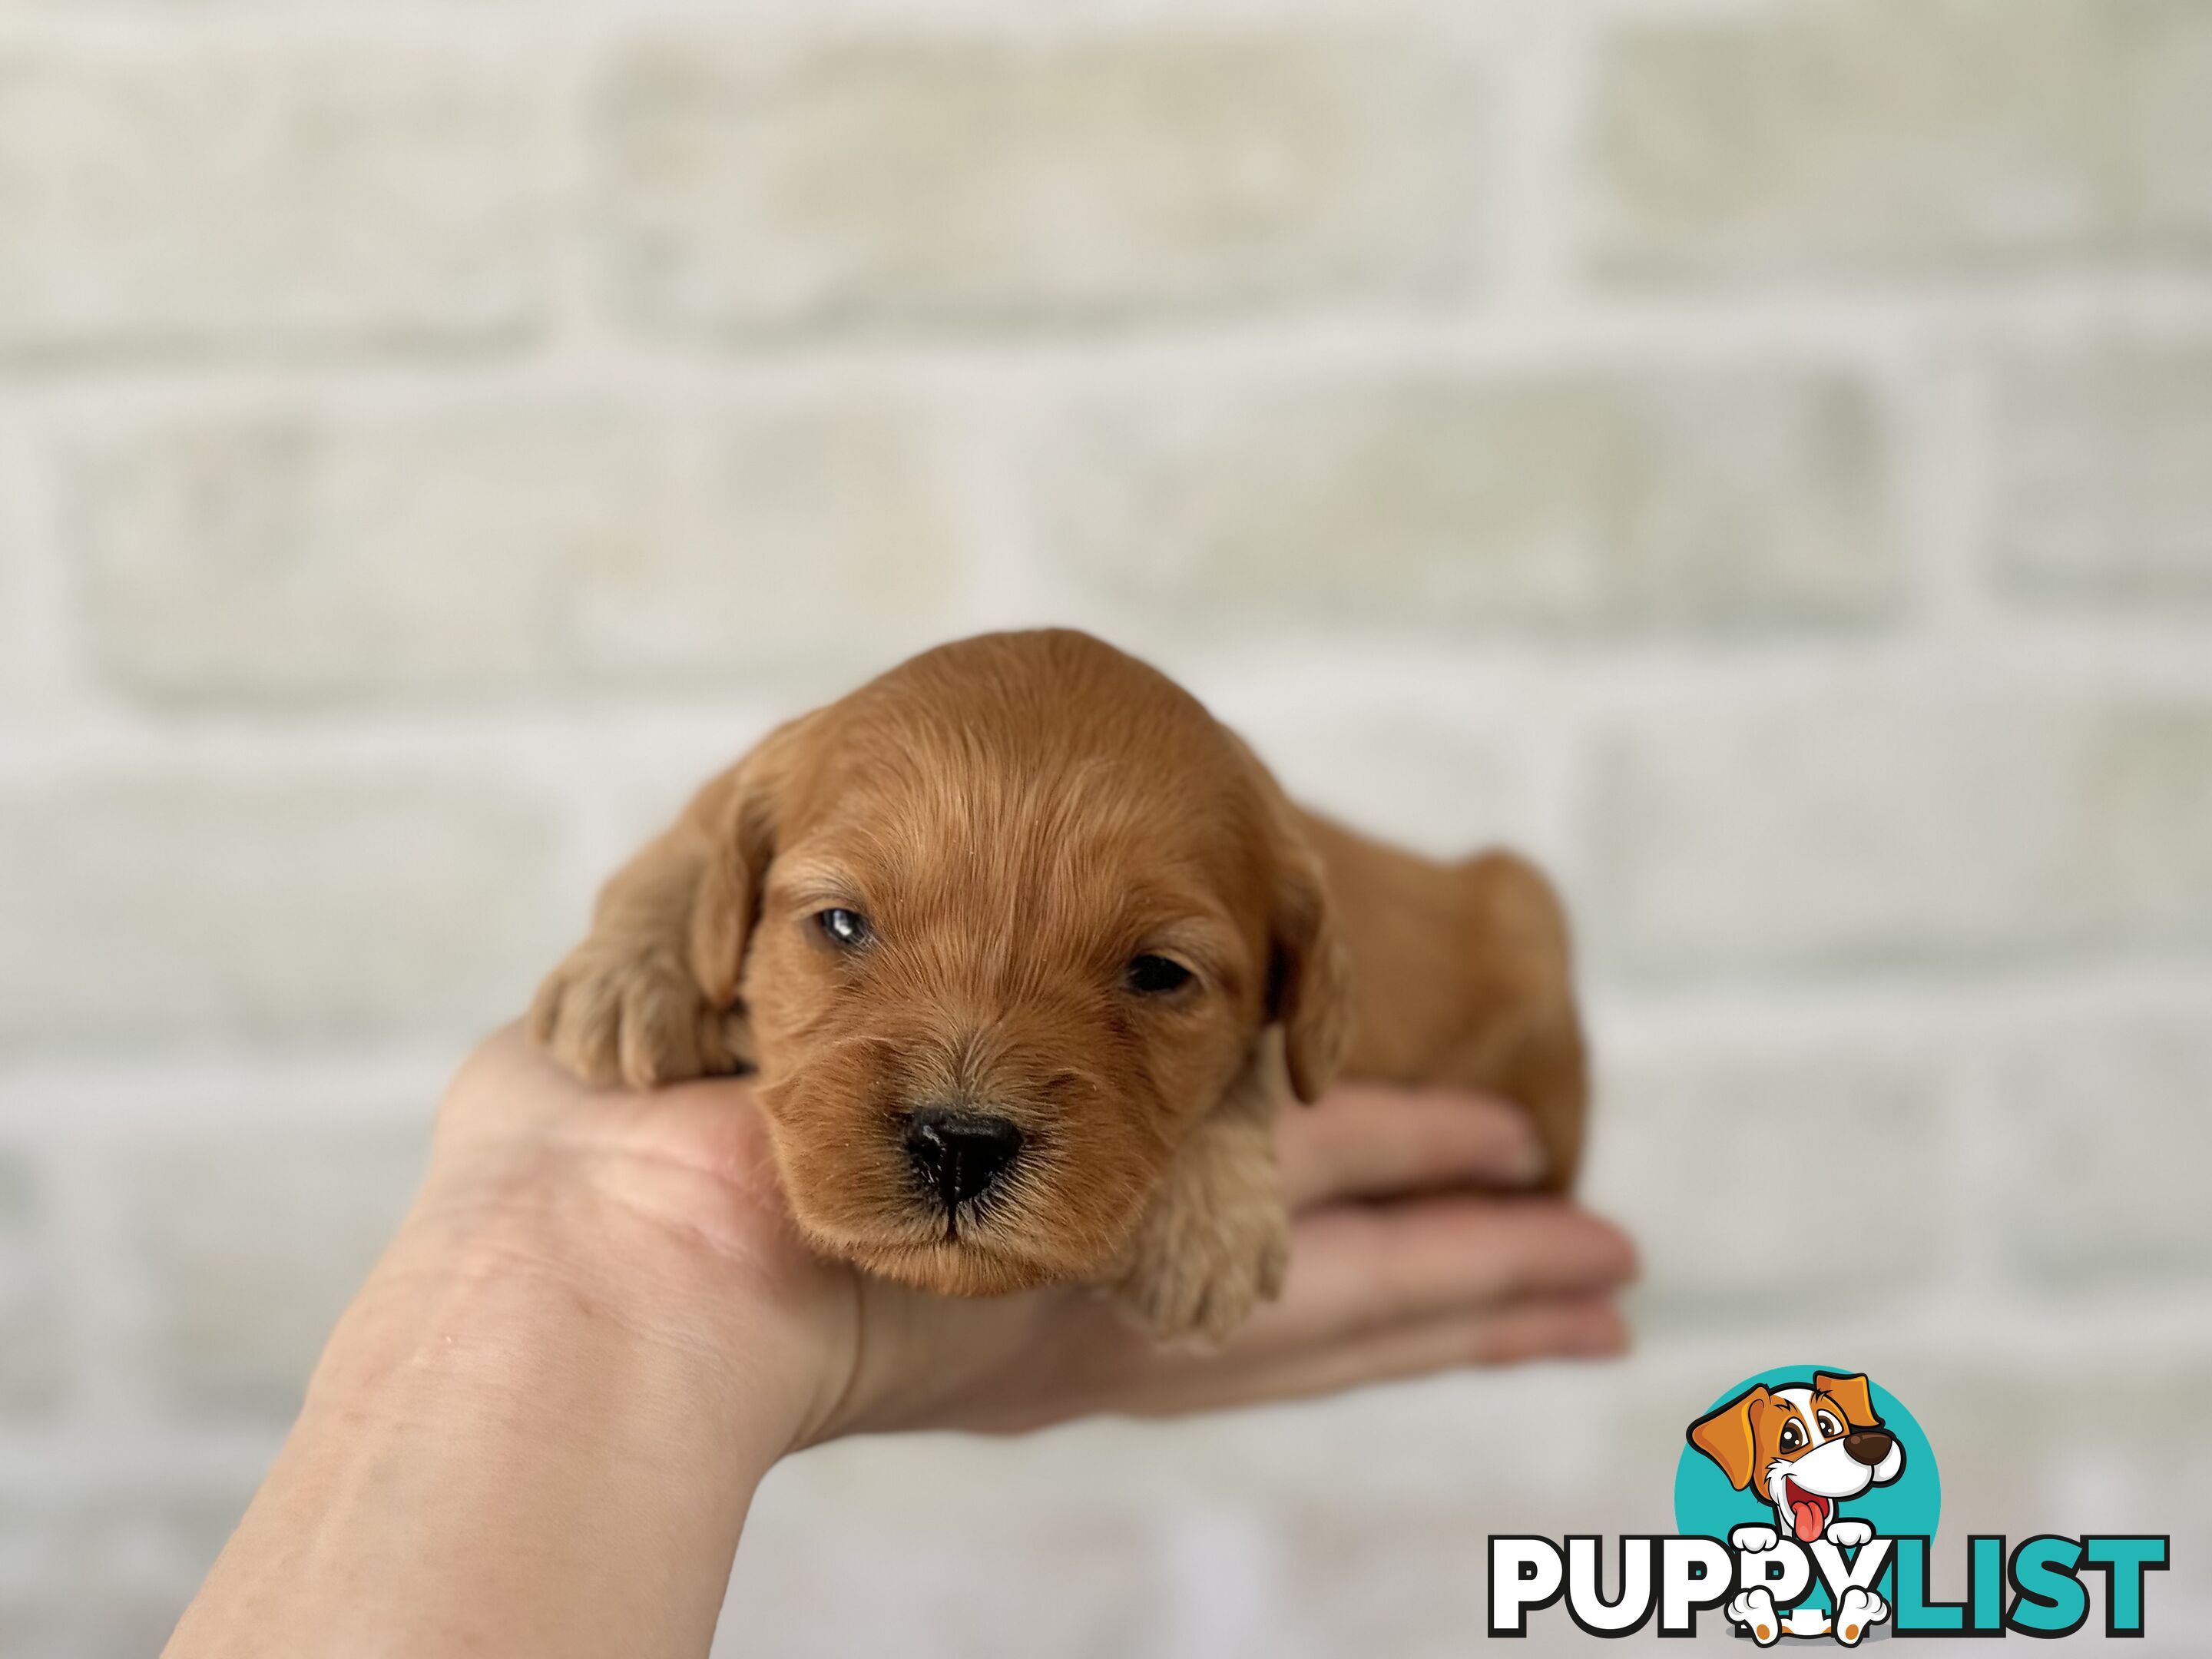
[[510, 1092], [1358, 1274], [507, 1083], [1577, 1327], [1365, 1141], [1354, 1267]]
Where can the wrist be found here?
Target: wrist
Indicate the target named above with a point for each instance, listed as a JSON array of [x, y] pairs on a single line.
[[520, 1438]]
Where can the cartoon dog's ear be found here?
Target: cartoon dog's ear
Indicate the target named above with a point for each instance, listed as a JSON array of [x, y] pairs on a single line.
[[1851, 1393], [1726, 1436], [737, 814]]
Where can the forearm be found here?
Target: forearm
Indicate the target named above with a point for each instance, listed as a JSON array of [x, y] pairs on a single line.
[[504, 1452]]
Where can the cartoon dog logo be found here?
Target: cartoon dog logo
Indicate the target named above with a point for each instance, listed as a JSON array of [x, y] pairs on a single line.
[[1803, 1448]]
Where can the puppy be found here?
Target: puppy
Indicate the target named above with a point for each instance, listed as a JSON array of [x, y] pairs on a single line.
[[1024, 946], [1803, 1448]]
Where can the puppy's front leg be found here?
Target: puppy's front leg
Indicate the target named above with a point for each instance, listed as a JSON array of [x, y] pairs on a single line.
[[1215, 1240], [625, 1005]]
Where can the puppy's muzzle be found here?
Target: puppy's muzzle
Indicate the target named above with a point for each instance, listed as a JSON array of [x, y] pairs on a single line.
[[1869, 1446], [958, 1154]]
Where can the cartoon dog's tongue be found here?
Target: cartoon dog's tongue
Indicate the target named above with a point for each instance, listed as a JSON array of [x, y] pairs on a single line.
[[1808, 1509]]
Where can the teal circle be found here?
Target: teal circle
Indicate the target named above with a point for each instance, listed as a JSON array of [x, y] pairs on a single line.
[[1706, 1504]]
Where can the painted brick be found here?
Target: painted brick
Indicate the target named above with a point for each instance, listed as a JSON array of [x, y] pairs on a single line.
[[176, 907], [1434, 503], [960, 180], [502, 546], [1853, 137], [1886, 830], [93, 1613], [211, 196], [102, 1567], [1397, 1578], [2099, 1176], [1683, 1152], [2105, 1440], [34, 1369], [252, 1245], [17, 645], [812, 1587], [2103, 492], [1423, 780]]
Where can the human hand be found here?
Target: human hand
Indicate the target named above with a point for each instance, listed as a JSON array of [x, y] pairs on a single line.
[[539, 1426], [1410, 1255]]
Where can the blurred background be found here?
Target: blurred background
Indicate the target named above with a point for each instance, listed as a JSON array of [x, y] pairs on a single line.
[[1756, 457]]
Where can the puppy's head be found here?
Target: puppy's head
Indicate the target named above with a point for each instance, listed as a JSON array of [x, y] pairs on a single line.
[[1803, 1447], [1007, 922]]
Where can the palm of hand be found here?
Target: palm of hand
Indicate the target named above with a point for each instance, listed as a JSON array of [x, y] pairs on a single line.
[[1406, 1256]]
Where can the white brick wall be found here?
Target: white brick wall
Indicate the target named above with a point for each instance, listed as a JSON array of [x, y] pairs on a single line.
[[533, 541], [1756, 453], [2011, 133], [166, 196], [751, 185]]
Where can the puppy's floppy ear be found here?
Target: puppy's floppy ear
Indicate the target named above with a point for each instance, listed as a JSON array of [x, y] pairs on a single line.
[[1852, 1394], [737, 815], [1727, 1435], [1309, 964], [1310, 977]]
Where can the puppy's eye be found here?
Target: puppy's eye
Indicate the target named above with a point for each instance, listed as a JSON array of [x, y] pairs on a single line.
[[846, 929], [1792, 1436], [1829, 1426], [1155, 976]]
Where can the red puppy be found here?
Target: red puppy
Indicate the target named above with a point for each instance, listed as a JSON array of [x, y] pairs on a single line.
[[1024, 946]]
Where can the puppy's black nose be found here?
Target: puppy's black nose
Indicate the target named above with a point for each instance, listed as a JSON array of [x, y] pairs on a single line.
[[1869, 1446], [958, 1154]]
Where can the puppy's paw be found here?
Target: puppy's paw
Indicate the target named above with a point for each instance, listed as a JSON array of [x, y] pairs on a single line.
[[1753, 1610], [1199, 1272], [639, 1018], [1849, 1534], [1754, 1540]]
